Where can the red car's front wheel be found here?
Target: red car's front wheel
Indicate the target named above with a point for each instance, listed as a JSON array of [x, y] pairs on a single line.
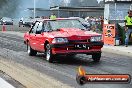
[[96, 57], [49, 55]]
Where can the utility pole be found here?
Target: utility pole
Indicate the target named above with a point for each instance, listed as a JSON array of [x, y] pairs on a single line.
[[34, 9], [58, 9]]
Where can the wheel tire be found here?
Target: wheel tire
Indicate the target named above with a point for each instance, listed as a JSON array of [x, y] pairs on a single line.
[[96, 57], [70, 55], [49, 55], [30, 51]]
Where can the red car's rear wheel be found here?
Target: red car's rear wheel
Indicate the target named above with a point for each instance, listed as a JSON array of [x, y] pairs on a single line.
[[30, 51]]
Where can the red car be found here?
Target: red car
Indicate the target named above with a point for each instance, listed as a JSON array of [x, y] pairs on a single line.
[[63, 36]]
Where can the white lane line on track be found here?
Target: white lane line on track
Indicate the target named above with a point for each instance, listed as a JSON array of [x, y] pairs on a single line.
[[4, 84]]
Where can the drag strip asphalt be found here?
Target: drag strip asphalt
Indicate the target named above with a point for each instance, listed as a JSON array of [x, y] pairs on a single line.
[[64, 69]]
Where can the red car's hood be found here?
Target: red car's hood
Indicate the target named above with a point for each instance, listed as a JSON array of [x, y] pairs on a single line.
[[72, 33]]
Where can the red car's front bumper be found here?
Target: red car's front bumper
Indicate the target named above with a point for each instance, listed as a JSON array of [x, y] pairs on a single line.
[[76, 51], [71, 49]]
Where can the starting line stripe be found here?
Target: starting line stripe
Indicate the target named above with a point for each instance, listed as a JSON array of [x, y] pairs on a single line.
[[4, 84]]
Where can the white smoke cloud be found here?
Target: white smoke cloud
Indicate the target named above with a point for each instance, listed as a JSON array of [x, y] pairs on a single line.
[[67, 1], [64, 2]]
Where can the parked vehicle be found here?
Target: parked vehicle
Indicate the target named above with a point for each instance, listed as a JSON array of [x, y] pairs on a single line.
[[6, 21], [20, 23], [62, 36], [26, 22]]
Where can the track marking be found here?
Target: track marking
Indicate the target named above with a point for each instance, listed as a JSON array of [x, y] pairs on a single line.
[[4, 84]]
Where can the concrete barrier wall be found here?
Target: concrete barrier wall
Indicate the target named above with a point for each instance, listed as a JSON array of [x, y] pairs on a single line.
[[14, 28]]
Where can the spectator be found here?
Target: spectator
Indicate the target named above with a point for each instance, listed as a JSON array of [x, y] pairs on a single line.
[[128, 26], [53, 16]]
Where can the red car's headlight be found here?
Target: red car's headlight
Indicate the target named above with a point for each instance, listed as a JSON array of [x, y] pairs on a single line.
[[96, 38], [60, 40]]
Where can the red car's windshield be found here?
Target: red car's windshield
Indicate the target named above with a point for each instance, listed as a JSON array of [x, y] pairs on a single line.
[[65, 24]]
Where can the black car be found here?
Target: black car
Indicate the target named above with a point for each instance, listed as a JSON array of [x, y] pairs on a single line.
[[27, 22], [20, 23], [6, 21]]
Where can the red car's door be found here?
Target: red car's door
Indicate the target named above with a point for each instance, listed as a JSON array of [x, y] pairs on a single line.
[[32, 38], [40, 35], [40, 42], [32, 42], [40, 38]]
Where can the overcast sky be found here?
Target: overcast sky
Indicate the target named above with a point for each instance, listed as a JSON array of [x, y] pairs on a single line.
[[99, 0]]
